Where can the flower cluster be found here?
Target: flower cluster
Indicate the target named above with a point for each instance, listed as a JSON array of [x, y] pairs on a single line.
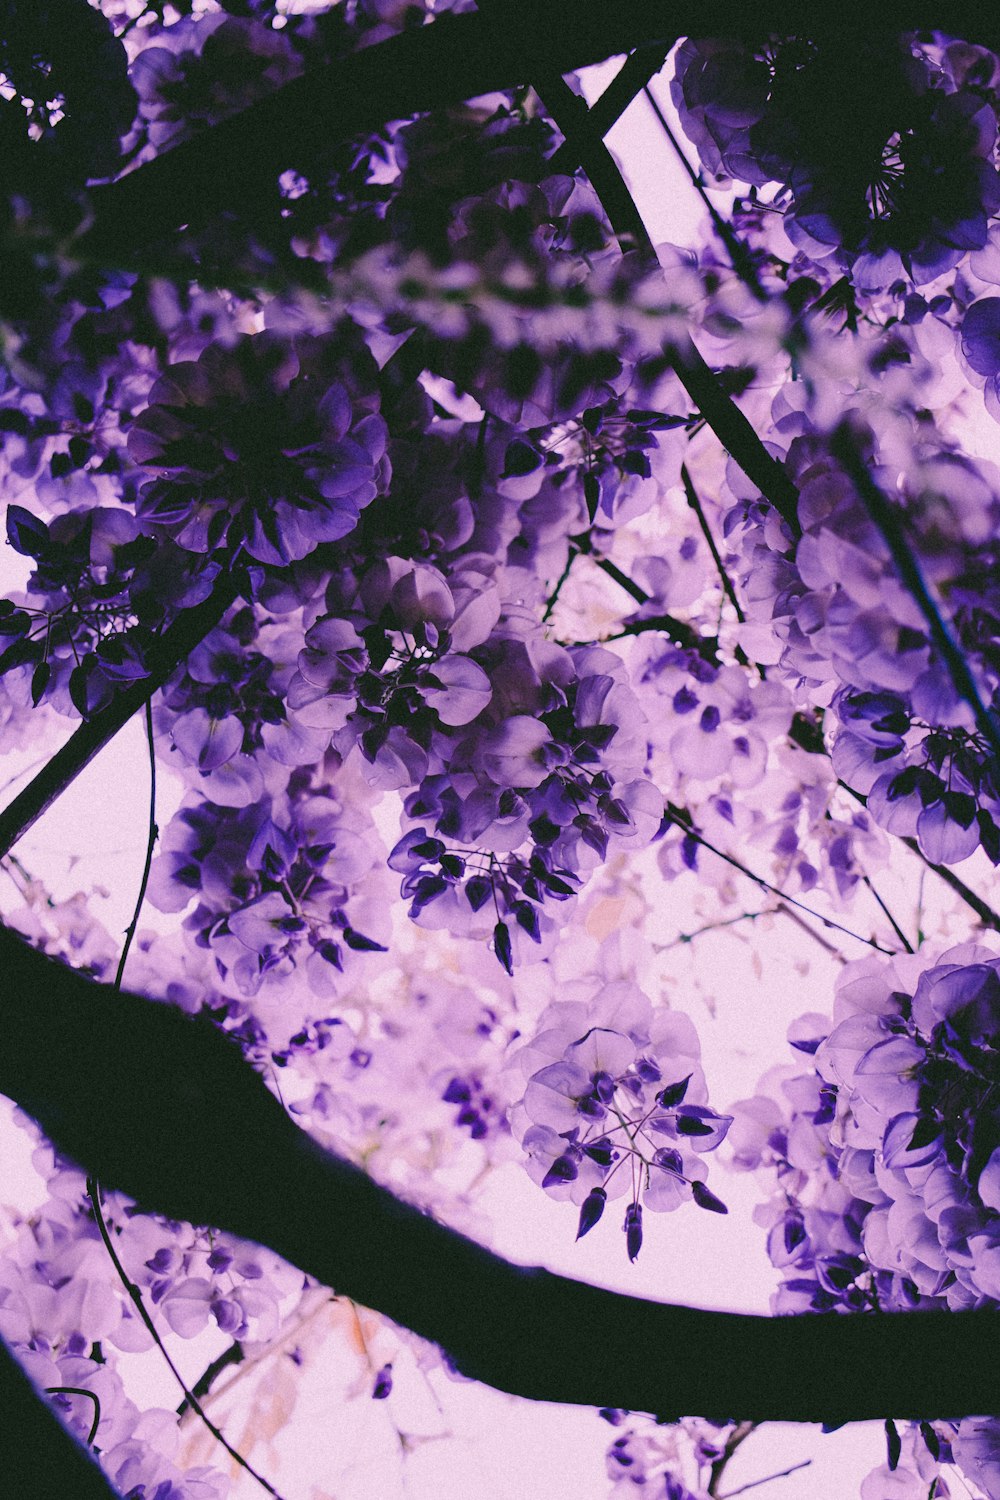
[[273, 887], [907, 192], [268, 448], [615, 1104], [537, 789], [886, 1157], [907, 735]]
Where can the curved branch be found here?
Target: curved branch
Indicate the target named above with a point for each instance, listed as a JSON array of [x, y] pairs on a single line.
[[165, 1108]]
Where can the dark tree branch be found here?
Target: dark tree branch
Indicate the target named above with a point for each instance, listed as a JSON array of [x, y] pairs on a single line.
[[569, 112], [630, 80], [173, 647], [164, 1107], [234, 164], [888, 523], [40, 1458]]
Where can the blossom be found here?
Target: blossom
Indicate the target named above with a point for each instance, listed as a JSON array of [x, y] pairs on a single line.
[[269, 446], [612, 1096]]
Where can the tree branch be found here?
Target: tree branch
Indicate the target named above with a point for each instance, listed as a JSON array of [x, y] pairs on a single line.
[[164, 1107], [173, 647], [234, 164], [40, 1458], [569, 112]]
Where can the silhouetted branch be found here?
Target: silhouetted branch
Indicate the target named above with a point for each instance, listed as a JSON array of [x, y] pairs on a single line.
[[163, 1107], [40, 1459], [234, 164]]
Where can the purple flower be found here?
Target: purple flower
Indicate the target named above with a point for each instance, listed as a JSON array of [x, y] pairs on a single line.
[[270, 446]]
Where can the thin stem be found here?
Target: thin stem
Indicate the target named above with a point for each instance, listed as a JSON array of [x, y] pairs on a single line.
[[78, 1390], [800, 922], [691, 495], [735, 248], [803, 1463], [234, 1355], [554, 596], [94, 1192], [908, 946], [983, 911], [633, 589], [674, 816], [888, 524], [735, 1439], [151, 839], [689, 937]]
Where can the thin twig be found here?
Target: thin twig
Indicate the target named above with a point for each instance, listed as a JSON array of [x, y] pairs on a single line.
[[234, 1355], [735, 248], [691, 495], [689, 937], [94, 1194], [151, 838], [983, 911], [553, 598], [867, 882], [887, 522], [817, 937], [735, 1439], [633, 589], [675, 816], [754, 1483], [79, 1390], [93, 1186]]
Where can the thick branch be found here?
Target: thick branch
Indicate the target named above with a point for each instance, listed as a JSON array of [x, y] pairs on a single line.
[[164, 1108], [40, 1458], [455, 58], [173, 647]]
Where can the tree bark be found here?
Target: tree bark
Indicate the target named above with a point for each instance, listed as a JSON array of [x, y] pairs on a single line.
[[163, 1107]]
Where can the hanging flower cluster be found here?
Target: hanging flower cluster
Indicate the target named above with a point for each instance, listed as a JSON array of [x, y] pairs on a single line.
[[906, 193], [886, 1159], [618, 1109], [268, 448]]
